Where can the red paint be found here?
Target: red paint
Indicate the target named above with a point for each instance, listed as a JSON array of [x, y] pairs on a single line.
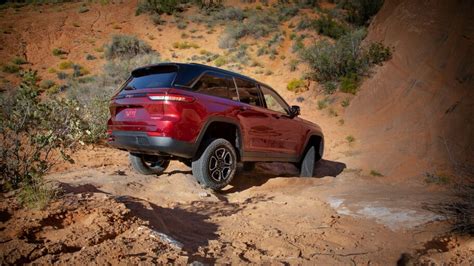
[[184, 113]]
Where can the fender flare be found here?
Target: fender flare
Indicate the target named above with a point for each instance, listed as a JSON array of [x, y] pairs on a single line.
[[220, 119]]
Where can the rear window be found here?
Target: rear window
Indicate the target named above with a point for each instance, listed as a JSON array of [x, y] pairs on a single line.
[[152, 77]]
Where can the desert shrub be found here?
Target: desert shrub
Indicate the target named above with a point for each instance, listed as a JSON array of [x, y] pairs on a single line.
[[65, 65], [181, 25], [90, 57], [79, 71], [329, 87], [378, 53], [94, 93], [360, 11], [307, 3], [220, 61], [459, 209], [257, 26], [126, 47], [349, 83], [19, 60], [323, 103], [344, 61], [296, 85], [375, 173], [304, 23], [286, 12], [329, 27], [83, 9], [156, 19], [158, 7], [230, 13], [185, 45], [58, 52], [345, 102], [46, 84], [11, 68], [298, 45], [294, 65], [32, 132], [62, 75], [350, 139]]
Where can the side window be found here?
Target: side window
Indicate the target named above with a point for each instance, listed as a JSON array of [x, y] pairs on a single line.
[[248, 92], [274, 101], [216, 85]]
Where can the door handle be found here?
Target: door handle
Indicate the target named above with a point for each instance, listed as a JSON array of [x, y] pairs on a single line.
[[243, 108]]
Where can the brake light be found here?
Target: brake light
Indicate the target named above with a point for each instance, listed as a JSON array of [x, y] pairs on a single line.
[[171, 98]]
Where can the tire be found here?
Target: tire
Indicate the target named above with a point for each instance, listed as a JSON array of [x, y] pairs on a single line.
[[216, 165], [148, 164], [307, 164], [248, 166]]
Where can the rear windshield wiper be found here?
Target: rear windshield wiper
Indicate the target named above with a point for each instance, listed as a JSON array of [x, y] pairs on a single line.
[[129, 88]]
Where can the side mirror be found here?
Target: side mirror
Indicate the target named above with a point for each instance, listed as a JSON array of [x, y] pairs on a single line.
[[294, 111]]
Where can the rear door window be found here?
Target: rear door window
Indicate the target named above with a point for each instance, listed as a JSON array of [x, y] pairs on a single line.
[[216, 84], [248, 92], [151, 78]]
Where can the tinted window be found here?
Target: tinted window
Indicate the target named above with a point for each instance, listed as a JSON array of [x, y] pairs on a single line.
[[248, 92], [273, 101], [216, 85], [157, 80]]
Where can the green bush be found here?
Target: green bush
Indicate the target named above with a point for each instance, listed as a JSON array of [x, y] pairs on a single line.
[[344, 61], [329, 87], [345, 102], [83, 9], [230, 13], [90, 57], [220, 61], [329, 27], [11, 68], [378, 53], [296, 85], [94, 93], [156, 18], [46, 84], [126, 47], [286, 12], [360, 11], [294, 65], [65, 65], [58, 52], [256, 26], [19, 61], [158, 7], [349, 83], [33, 130], [62, 75]]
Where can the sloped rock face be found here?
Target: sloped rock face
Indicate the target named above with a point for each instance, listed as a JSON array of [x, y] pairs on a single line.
[[417, 109]]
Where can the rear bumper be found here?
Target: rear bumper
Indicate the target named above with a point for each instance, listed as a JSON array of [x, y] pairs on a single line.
[[140, 142]]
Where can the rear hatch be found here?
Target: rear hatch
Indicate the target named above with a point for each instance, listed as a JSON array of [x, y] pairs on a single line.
[[136, 107]]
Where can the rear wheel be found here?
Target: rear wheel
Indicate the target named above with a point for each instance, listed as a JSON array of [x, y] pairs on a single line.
[[217, 164], [148, 164], [307, 164]]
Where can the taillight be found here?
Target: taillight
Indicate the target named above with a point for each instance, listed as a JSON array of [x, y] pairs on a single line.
[[171, 98]]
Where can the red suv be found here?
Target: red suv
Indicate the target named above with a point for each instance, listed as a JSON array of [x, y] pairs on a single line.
[[210, 119]]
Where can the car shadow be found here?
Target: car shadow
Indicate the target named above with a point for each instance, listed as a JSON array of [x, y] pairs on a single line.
[[265, 171], [189, 224]]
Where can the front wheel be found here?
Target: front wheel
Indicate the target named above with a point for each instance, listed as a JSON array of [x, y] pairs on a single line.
[[307, 164], [148, 164], [216, 166]]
